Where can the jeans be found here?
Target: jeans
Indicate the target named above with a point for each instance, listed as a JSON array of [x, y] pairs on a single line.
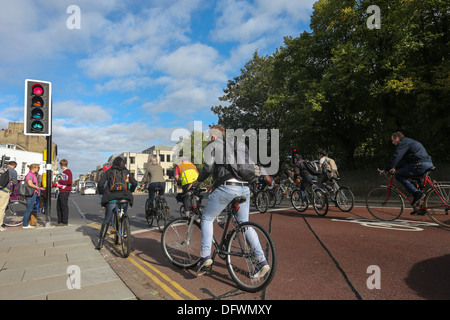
[[109, 211], [217, 201], [31, 201], [306, 179], [62, 207], [151, 191], [411, 171]]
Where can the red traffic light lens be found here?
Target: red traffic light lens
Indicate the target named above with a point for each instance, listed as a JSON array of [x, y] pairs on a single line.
[[37, 89]]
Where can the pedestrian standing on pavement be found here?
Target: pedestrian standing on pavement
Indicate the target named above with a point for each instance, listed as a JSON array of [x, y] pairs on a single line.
[[6, 191], [117, 174], [154, 177], [64, 185], [32, 182]]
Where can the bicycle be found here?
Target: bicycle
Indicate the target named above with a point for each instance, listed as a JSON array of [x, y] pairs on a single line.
[[195, 199], [386, 203], [258, 196], [342, 196], [181, 244], [121, 228], [15, 209], [313, 194], [160, 211]]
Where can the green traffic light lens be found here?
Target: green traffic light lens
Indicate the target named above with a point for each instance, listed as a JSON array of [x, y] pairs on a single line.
[[37, 89], [37, 126]]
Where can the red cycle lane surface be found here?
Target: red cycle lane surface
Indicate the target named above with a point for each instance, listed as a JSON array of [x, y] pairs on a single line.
[[336, 257]]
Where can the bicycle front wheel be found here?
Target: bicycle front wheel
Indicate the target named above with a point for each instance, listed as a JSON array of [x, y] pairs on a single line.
[[14, 213], [384, 203], [345, 200], [320, 202], [437, 205], [249, 247], [125, 236], [181, 242]]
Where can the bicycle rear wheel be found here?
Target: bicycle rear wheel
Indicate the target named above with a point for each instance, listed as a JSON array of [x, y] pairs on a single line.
[[245, 255], [262, 201], [161, 217], [320, 202], [297, 202], [345, 200], [14, 213], [181, 243], [125, 236], [384, 203], [437, 205]]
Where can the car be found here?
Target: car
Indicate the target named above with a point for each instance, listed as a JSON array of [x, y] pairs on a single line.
[[89, 187]]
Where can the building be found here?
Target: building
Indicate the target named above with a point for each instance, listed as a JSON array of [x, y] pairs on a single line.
[[23, 158]]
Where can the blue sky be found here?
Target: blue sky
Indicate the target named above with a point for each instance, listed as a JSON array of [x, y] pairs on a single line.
[[136, 70]]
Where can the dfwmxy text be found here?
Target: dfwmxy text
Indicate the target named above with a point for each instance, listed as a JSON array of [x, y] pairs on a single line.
[[232, 309]]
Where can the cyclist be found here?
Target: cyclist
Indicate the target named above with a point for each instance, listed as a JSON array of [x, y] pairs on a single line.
[[301, 171], [186, 173], [224, 189], [329, 168], [109, 198], [154, 177], [410, 160]]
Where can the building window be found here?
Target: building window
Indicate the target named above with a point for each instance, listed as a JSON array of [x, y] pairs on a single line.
[[168, 157], [161, 158]]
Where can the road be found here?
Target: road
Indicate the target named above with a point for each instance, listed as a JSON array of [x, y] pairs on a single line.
[[342, 256]]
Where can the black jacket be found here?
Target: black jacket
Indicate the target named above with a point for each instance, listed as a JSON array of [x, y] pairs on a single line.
[[108, 196], [408, 151], [217, 166]]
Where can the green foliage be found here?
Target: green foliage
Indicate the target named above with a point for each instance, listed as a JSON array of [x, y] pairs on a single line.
[[345, 88]]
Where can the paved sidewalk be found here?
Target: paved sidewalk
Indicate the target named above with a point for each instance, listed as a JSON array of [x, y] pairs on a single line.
[[50, 263]]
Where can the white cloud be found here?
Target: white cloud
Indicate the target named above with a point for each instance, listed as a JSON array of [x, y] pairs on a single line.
[[78, 113]]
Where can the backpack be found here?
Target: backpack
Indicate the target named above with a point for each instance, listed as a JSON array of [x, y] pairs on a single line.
[[118, 181], [330, 165], [4, 177], [312, 167], [239, 162]]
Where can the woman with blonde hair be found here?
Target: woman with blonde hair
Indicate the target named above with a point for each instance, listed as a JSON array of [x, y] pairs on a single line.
[[32, 181]]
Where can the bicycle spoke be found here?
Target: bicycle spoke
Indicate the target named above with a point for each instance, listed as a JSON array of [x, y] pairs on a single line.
[[437, 205]]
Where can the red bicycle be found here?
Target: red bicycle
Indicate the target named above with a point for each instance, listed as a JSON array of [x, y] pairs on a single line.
[[386, 202]]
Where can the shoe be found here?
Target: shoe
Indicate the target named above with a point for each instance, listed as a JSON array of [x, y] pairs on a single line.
[[417, 197], [28, 227], [419, 212], [2, 229], [261, 269], [204, 266]]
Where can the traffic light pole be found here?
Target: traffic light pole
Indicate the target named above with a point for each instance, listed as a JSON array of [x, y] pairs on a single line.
[[48, 190]]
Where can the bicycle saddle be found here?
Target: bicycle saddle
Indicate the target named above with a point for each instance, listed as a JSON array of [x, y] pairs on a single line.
[[122, 201], [239, 200], [430, 169]]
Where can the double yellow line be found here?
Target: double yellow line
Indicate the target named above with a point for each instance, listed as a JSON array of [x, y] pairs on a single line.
[[154, 274]]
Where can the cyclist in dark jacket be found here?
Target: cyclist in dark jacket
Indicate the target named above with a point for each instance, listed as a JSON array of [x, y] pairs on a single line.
[[109, 198], [410, 160]]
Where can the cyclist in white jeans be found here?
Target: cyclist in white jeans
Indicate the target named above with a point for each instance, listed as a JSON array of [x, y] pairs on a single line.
[[226, 188]]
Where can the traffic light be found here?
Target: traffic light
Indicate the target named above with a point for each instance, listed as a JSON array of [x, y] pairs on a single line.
[[294, 151], [38, 108]]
